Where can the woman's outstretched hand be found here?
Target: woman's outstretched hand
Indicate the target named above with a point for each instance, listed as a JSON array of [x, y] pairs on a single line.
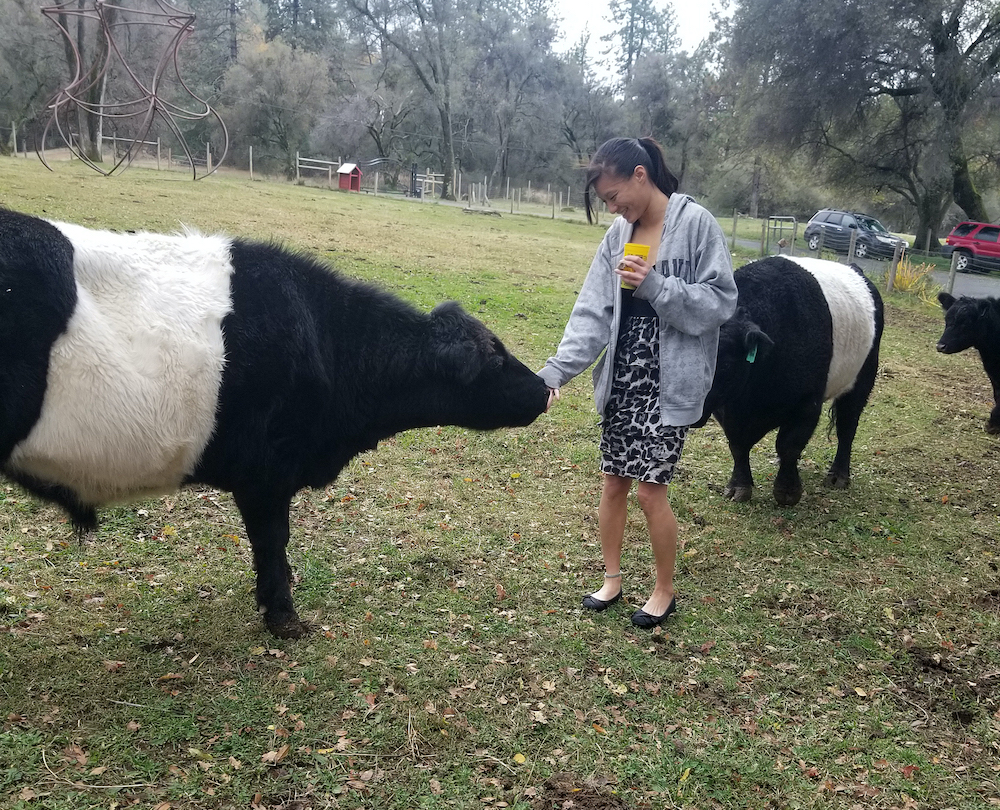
[[553, 397]]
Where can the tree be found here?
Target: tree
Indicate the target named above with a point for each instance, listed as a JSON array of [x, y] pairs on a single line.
[[427, 34], [885, 88], [515, 66], [590, 113], [30, 68], [640, 27], [377, 104], [273, 95]]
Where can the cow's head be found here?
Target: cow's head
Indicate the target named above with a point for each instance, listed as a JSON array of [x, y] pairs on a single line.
[[492, 387], [965, 322], [742, 346]]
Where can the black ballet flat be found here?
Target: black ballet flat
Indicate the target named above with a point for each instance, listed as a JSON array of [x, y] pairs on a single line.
[[591, 602], [648, 621]]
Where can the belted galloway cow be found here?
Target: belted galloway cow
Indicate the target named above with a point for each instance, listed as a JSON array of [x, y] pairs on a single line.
[[131, 364], [805, 331]]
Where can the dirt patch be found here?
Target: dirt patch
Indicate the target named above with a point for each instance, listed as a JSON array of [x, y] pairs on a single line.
[[567, 791], [944, 683]]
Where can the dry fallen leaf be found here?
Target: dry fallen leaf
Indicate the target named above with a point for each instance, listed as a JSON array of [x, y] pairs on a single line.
[[274, 757]]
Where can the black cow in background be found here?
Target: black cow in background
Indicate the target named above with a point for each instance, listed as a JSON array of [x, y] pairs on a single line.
[[805, 331], [133, 363], [975, 323]]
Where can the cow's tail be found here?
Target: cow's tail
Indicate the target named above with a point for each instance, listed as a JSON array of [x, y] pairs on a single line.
[[831, 425]]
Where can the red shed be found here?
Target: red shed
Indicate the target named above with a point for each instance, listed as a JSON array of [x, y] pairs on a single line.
[[349, 176]]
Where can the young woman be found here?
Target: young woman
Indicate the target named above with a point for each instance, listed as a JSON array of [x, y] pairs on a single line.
[[657, 321]]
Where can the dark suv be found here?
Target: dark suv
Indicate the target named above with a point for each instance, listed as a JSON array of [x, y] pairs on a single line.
[[977, 245], [836, 226]]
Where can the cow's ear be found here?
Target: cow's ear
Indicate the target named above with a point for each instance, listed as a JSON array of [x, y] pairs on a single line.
[[457, 350], [757, 344], [946, 300]]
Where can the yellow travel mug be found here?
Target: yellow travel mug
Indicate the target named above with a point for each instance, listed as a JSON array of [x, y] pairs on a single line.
[[634, 249]]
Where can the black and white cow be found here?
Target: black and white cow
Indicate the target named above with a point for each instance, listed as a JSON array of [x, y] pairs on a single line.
[[805, 331], [975, 323], [133, 363]]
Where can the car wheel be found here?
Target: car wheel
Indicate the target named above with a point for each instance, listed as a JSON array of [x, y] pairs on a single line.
[[963, 261], [814, 242], [860, 250]]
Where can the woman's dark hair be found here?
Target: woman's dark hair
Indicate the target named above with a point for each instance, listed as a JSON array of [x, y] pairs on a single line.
[[619, 157]]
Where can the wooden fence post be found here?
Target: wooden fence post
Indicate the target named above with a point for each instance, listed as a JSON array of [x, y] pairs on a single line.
[[251, 163], [952, 271], [890, 281], [732, 243]]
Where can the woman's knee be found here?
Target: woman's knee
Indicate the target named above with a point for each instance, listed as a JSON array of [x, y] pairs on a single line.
[[652, 497], [616, 487]]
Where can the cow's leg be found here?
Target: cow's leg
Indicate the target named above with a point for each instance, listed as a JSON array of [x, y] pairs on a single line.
[[792, 438], [993, 423], [847, 413], [266, 520], [740, 486]]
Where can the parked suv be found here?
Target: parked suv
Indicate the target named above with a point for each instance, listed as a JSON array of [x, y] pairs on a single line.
[[873, 238], [977, 245]]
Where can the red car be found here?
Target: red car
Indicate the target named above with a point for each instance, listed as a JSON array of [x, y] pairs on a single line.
[[977, 245]]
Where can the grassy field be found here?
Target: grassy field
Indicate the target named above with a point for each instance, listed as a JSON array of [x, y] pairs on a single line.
[[839, 654]]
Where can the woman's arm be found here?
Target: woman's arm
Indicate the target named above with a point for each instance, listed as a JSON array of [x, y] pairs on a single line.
[[700, 298], [589, 327]]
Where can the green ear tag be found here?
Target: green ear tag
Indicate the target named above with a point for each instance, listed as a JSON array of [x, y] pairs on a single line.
[[752, 354]]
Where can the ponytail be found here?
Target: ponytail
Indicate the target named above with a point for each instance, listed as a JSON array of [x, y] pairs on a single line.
[[620, 156]]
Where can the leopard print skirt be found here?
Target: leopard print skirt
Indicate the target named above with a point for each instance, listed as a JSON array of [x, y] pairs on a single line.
[[634, 442]]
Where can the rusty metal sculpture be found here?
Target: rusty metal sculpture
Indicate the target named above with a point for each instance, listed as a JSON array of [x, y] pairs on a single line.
[[149, 105]]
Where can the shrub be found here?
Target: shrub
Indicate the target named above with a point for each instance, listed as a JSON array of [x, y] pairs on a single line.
[[915, 279]]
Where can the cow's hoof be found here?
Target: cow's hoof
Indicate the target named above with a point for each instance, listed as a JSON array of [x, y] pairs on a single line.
[[992, 428], [737, 494], [286, 626], [787, 497], [837, 481]]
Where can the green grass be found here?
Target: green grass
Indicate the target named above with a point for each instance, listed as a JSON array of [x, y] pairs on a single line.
[[842, 653]]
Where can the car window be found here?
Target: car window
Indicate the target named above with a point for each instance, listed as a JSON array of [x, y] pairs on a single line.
[[988, 234], [872, 224], [964, 229], [849, 221]]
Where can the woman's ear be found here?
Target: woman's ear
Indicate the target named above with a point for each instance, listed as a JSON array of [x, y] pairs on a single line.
[[640, 173]]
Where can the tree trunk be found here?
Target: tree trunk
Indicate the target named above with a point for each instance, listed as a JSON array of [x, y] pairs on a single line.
[[964, 191], [928, 206], [447, 153], [233, 44]]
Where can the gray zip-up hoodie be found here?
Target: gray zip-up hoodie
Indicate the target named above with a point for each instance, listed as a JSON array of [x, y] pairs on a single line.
[[692, 290]]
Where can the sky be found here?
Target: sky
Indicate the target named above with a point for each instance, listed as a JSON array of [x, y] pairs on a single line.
[[692, 16]]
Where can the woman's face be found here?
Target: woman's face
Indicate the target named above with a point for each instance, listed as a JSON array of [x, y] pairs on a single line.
[[628, 196]]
